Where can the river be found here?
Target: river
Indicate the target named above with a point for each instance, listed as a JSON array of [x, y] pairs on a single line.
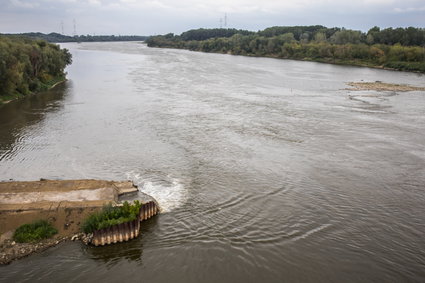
[[267, 170]]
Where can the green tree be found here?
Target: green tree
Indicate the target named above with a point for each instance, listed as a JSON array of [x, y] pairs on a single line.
[[28, 65]]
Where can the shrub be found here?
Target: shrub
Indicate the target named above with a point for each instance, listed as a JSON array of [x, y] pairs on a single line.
[[407, 66], [34, 232], [26, 65], [110, 216]]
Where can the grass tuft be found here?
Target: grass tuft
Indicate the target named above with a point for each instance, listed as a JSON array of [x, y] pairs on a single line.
[[34, 232], [110, 216]]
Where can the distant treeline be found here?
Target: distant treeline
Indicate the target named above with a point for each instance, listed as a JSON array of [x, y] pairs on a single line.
[[29, 65], [56, 37], [400, 48]]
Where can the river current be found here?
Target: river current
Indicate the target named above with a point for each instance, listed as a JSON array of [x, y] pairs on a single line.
[[267, 170]]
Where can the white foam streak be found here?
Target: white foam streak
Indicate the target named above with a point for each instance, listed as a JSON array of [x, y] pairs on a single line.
[[169, 193]]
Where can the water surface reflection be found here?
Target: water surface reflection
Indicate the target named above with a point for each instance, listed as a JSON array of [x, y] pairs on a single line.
[[268, 170]]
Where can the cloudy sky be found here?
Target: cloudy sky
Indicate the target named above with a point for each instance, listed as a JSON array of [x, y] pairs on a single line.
[[148, 17]]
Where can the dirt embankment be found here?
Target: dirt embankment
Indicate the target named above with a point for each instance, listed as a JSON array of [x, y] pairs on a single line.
[[381, 86], [65, 204]]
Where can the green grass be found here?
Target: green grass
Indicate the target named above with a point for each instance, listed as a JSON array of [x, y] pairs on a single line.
[[110, 216], [34, 232]]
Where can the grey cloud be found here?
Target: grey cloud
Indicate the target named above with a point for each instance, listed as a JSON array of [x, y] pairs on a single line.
[[163, 16]]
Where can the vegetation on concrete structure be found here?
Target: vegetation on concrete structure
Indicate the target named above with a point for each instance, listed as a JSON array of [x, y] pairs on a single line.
[[34, 232], [111, 215]]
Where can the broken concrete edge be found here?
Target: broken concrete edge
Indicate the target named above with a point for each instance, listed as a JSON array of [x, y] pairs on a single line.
[[125, 187]]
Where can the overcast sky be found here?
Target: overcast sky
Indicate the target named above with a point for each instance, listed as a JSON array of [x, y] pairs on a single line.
[[148, 17]]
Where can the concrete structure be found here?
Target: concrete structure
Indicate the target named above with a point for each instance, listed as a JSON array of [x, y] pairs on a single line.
[[65, 203]]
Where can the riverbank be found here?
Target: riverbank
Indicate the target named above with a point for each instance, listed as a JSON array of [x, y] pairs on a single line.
[[331, 61], [10, 250], [65, 204], [52, 84], [307, 43], [411, 67]]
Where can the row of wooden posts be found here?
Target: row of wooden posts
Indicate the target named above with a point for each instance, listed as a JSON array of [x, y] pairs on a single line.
[[124, 231]]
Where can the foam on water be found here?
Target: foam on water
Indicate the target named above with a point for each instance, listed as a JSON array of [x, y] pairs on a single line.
[[169, 192]]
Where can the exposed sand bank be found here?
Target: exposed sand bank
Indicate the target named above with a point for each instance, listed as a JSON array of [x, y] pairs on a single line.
[[380, 86]]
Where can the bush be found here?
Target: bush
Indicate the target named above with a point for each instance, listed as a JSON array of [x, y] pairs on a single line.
[[407, 66], [110, 216], [27, 65], [34, 232]]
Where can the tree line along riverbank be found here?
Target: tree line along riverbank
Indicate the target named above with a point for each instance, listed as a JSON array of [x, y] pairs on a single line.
[[57, 37], [400, 49], [29, 65]]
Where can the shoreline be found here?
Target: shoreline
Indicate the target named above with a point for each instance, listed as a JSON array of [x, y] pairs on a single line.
[[11, 251], [4, 102], [323, 61]]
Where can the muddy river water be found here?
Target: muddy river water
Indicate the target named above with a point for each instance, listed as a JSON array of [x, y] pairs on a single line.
[[267, 170]]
